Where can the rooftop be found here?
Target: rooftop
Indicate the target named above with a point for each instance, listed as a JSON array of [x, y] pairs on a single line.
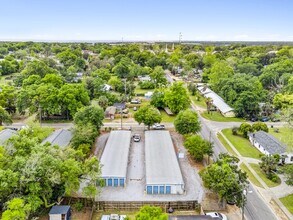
[[59, 209], [61, 137], [5, 135], [114, 159], [162, 166], [268, 142]]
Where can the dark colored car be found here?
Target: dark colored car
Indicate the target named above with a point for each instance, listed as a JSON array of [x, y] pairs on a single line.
[[264, 119]]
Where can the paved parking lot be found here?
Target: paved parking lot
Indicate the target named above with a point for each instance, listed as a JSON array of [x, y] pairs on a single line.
[[135, 184]]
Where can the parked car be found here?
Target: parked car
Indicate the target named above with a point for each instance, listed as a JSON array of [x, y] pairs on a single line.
[[158, 127], [264, 119], [217, 215], [136, 138], [135, 101], [253, 119]]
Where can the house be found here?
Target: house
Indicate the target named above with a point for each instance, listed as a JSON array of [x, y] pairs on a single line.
[[60, 137], [119, 105], [218, 101], [144, 78], [269, 145], [60, 212], [110, 112], [107, 88]]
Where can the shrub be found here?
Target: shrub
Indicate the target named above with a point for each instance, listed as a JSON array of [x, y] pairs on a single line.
[[235, 130]]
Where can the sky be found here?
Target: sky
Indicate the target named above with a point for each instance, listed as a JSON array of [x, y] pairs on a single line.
[[146, 20]]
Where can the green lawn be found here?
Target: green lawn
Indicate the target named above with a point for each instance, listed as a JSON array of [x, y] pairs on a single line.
[[262, 175], [242, 145], [288, 202], [217, 116], [226, 145], [251, 177], [285, 135], [199, 101], [142, 91], [4, 81], [166, 117]]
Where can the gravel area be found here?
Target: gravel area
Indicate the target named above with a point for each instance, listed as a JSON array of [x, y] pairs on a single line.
[[135, 184]]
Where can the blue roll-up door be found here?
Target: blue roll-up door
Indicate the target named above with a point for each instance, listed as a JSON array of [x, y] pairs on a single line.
[[121, 182], [168, 189], [115, 182], [162, 189], [149, 190], [110, 182], [156, 190]]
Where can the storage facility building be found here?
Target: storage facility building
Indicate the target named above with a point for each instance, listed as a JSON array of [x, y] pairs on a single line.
[[163, 174], [114, 159], [61, 137]]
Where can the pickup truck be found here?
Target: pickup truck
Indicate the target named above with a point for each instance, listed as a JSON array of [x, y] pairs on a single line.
[[158, 127]]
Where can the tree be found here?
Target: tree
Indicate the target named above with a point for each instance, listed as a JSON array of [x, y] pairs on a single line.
[[148, 115], [4, 116], [102, 73], [122, 69], [176, 97], [260, 126], [269, 164], [157, 99], [283, 101], [219, 71], [198, 147], [38, 68], [247, 104], [151, 213], [158, 77], [103, 102], [16, 210], [288, 171], [115, 82], [93, 115], [84, 134], [287, 116], [8, 98], [186, 122], [245, 128], [226, 180]]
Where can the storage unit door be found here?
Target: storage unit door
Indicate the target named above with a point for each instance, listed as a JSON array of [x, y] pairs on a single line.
[[149, 190], [168, 189], [115, 182], [156, 190], [121, 182], [110, 182], [162, 189]]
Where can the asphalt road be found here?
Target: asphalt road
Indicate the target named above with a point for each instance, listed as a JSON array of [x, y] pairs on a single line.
[[256, 208]]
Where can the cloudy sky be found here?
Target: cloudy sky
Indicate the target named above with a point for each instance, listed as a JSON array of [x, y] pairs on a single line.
[[159, 20]]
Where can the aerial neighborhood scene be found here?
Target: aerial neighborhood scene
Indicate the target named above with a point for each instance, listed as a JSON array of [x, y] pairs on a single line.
[[146, 110]]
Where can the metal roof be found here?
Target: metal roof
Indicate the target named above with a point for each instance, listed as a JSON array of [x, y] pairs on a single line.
[[5, 135], [114, 159], [59, 209], [61, 137], [162, 166], [219, 102], [268, 142]]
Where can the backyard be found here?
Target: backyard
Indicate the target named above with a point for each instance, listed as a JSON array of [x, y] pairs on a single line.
[[242, 145], [284, 134]]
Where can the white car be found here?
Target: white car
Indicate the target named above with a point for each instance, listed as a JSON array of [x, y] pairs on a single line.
[[217, 215]]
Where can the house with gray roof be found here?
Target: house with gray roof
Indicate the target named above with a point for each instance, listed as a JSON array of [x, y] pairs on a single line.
[[61, 137], [5, 135], [269, 145]]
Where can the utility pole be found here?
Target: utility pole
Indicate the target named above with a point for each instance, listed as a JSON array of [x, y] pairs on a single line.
[[40, 116], [180, 37]]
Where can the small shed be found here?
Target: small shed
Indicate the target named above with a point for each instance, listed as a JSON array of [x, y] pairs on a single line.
[[60, 212], [5, 135]]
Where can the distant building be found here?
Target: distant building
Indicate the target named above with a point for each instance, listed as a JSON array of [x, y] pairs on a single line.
[[148, 95], [218, 101], [110, 112], [269, 145], [144, 78], [61, 137], [107, 88], [60, 212]]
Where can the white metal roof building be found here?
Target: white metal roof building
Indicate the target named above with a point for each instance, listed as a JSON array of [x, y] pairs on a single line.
[[218, 101], [114, 159], [61, 137], [5, 135], [163, 174]]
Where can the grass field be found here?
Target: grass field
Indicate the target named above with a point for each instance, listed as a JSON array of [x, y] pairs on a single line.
[[199, 101], [262, 175], [251, 177], [288, 202], [217, 116], [226, 145], [285, 135], [166, 117], [142, 91], [242, 145]]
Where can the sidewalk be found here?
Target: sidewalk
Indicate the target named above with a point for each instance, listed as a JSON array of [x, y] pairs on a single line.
[[267, 193]]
